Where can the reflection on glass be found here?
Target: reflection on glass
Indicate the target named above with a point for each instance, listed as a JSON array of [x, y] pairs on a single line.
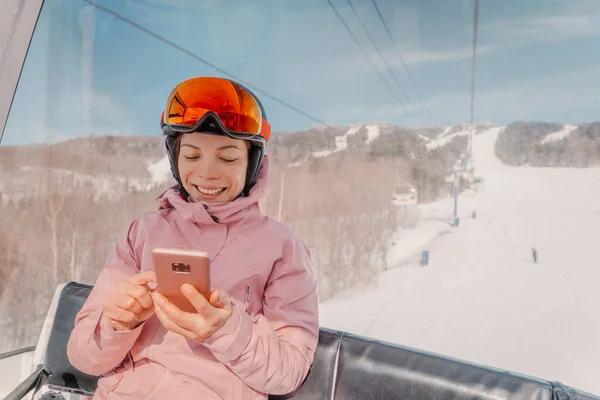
[[375, 160]]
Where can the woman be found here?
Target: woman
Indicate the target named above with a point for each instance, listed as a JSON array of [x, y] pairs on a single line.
[[258, 332]]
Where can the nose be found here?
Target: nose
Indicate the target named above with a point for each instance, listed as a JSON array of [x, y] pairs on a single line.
[[208, 169]]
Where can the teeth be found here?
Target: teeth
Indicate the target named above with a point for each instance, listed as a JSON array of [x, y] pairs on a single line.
[[211, 192]]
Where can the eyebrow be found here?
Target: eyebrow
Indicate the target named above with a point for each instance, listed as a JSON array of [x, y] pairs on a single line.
[[229, 146]]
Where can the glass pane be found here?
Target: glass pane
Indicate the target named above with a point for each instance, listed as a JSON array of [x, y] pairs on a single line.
[[472, 240]]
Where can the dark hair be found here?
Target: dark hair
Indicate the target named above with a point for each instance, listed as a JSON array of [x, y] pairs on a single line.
[[176, 148]]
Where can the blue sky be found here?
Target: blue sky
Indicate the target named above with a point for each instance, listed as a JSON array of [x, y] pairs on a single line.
[[88, 72]]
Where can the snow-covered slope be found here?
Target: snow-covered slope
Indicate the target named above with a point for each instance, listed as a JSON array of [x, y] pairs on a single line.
[[160, 171], [446, 137], [560, 135], [482, 298], [432, 137]]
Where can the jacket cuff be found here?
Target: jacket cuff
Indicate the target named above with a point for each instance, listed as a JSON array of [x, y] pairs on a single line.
[[109, 336], [231, 340]]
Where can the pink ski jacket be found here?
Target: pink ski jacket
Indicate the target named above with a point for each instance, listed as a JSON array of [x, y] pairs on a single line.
[[266, 347]]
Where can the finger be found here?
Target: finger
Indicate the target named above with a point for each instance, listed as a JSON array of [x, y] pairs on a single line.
[[141, 294], [174, 312], [129, 303], [181, 318], [220, 300], [143, 278], [169, 324], [147, 313], [197, 299], [119, 314]]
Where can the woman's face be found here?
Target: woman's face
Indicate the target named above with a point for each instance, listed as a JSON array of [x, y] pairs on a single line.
[[212, 168]]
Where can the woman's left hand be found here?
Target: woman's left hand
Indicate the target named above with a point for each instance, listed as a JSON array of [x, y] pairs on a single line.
[[210, 318]]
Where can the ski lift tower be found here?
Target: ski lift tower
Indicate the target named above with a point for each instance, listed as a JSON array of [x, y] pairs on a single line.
[[469, 164], [457, 170]]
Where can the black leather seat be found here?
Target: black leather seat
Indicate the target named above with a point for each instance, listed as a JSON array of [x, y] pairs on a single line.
[[346, 367], [369, 369], [319, 383], [65, 377]]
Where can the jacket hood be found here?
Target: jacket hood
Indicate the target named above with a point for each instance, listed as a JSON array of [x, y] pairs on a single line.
[[236, 211]]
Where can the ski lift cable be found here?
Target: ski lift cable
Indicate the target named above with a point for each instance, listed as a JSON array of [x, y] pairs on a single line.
[[473, 59], [469, 150], [205, 62], [379, 51], [387, 29], [365, 54], [475, 18]]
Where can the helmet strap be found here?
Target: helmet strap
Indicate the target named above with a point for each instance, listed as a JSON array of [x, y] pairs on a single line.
[[255, 158]]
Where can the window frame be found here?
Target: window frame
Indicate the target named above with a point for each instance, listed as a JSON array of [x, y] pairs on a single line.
[[18, 19]]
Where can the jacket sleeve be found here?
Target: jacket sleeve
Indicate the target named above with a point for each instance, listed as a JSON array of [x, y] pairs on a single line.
[[272, 353], [95, 347]]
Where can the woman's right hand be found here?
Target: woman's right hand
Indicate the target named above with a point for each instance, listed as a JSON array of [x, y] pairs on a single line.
[[130, 303]]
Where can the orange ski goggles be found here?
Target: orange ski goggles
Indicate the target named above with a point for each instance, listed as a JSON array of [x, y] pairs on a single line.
[[236, 110]]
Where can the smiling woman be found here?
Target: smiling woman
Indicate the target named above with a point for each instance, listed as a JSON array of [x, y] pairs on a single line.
[[363, 96], [265, 346], [213, 168]]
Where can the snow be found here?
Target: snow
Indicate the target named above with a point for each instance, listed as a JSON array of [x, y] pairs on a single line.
[[14, 370], [560, 135], [446, 137], [341, 143], [372, 133], [160, 171], [408, 243], [481, 298], [103, 186], [323, 153]]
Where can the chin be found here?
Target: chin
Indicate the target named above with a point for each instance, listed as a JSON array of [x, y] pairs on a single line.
[[223, 198]]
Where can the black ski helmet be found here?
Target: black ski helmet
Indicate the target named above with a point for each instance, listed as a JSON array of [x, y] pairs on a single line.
[[210, 123]]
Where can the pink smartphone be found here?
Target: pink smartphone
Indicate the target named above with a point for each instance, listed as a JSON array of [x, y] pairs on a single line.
[[174, 267]]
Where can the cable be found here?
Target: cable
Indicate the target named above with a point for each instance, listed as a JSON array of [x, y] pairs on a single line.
[[402, 59], [209, 64], [378, 51], [365, 54], [475, 19], [474, 57]]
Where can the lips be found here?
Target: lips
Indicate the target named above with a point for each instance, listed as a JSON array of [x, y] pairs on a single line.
[[210, 191]]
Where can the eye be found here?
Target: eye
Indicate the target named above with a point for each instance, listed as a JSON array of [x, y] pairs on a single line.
[[191, 158], [229, 160]]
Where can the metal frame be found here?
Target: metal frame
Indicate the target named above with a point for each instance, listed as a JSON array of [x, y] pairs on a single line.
[[17, 352], [18, 19]]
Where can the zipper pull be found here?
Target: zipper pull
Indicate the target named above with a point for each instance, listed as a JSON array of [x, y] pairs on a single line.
[[247, 300]]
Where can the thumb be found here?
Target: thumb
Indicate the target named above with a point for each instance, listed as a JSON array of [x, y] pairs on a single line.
[[196, 298], [220, 300]]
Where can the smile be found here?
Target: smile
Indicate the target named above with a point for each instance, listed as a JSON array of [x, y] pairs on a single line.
[[210, 192]]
